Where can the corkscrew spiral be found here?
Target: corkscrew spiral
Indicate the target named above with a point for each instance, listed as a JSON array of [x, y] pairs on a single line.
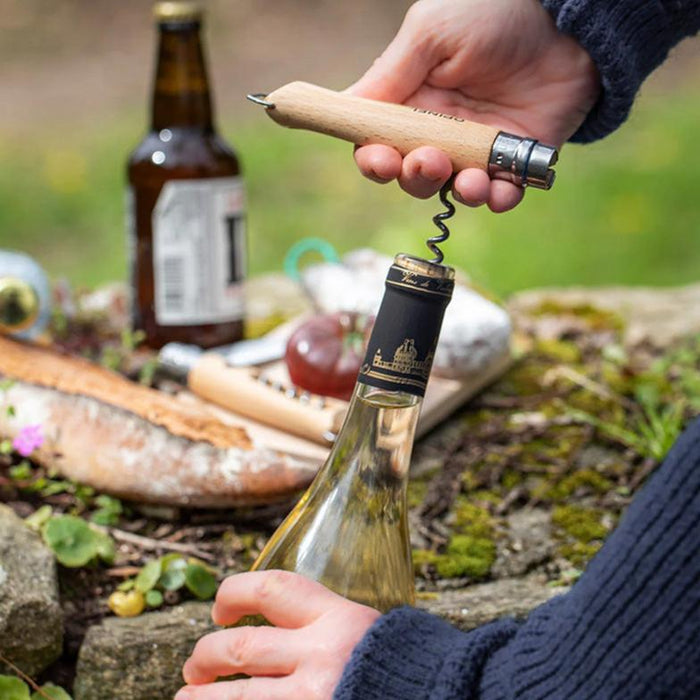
[[438, 220]]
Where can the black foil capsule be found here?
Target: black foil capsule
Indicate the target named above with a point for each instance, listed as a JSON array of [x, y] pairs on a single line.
[[402, 345]]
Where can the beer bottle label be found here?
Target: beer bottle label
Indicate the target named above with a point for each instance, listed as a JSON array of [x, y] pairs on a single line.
[[199, 251]]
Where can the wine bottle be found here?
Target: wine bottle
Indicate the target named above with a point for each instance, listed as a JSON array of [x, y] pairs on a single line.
[[350, 529]]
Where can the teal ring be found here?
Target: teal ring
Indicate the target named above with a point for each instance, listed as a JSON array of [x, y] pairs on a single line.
[[301, 248]]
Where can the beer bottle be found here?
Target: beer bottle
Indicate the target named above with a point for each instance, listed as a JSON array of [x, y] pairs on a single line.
[[185, 205]]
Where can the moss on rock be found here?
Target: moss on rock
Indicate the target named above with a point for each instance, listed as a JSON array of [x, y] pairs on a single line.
[[580, 531], [580, 523], [563, 351], [579, 553], [466, 556], [587, 480], [422, 559], [596, 318], [470, 519], [416, 493]]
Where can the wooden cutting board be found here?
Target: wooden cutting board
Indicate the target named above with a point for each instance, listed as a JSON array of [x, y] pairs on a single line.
[[443, 396]]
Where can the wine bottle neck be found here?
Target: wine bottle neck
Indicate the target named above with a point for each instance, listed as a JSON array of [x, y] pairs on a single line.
[[402, 346], [181, 96], [378, 433]]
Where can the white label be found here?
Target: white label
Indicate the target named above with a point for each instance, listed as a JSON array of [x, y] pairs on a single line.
[[199, 251]]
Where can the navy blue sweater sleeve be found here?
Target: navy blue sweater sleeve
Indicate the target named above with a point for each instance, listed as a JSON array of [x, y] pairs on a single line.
[[629, 628], [627, 40]]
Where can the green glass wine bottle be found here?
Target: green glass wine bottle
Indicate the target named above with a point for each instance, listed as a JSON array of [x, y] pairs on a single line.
[[350, 529]]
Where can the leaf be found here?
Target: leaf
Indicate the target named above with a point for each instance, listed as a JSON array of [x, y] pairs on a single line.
[[203, 564], [173, 560], [52, 691], [36, 485], [172, 579], [6, 447], [55, 487], [109, 503], [37, 519], [105, 517], [173, 576], [84, 493], [149, 575], [109, 510], [127, 585], [104, 546], [12, 688], [148, 371], [71, 540], [154, 599], [21, 471], [200, 581]]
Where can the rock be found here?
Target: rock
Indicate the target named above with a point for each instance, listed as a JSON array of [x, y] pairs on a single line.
[[468, 608], [140, 658], [528, 544], [31, 622], [659, 316]]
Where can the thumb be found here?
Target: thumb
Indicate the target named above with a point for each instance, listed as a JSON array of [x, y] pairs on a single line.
[[400, 70]]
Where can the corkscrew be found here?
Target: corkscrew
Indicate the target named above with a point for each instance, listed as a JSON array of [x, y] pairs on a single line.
[[439, 220], [521, 160]]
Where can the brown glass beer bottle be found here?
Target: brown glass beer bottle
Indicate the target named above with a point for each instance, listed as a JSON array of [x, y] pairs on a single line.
[[186, 224]]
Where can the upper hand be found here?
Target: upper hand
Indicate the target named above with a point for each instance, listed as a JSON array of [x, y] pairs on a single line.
[[499, 62], [300, 658]]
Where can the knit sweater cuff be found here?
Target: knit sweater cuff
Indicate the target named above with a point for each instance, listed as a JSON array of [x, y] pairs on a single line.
[[626, 39], [411, 654]]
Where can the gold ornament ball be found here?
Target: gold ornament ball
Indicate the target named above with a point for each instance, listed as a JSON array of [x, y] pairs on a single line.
[[19, 304]]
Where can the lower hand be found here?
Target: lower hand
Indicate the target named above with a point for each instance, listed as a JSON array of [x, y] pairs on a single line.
[[301, 658], [499, 62]]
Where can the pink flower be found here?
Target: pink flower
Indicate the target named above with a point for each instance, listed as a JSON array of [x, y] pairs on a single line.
[[28, 439]]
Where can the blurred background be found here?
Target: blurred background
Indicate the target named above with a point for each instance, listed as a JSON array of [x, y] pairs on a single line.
[[75, 82]]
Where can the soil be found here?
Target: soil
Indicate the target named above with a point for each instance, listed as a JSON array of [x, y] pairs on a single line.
[[545, 441]]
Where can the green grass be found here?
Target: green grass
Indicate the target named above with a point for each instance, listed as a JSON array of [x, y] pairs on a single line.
[[623, 211]]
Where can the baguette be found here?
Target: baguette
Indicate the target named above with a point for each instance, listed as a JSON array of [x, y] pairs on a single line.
[[137, 443]]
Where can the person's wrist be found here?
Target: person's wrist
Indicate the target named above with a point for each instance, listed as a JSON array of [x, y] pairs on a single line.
[[625, 40]]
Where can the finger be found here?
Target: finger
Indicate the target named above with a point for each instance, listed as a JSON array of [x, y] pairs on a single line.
[[402, 67], [424, 171], [504, 196], [283, 598], [244, 689], [256, 651], [472, 187], [379, 163]]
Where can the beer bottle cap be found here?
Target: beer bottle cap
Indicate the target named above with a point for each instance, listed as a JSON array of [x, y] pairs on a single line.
[[177, 11]]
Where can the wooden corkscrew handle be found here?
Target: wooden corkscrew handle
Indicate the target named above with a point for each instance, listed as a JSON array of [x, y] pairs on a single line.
[[361, 121]]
